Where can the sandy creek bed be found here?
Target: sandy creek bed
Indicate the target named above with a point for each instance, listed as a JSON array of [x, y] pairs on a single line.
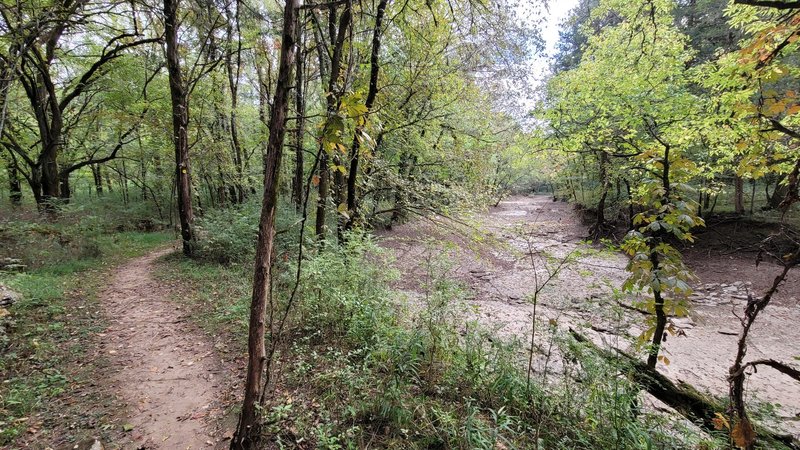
[[491, 256]]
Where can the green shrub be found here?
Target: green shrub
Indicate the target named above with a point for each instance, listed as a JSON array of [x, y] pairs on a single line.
[[229, 235]]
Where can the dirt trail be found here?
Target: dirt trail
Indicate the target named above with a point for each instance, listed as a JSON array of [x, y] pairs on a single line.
[[494, 264], [162, 369]]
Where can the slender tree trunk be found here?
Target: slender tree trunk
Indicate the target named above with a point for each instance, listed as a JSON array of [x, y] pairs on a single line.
[[248, 429], [233, 69], [654, 242], [123, 183], [738, 194], [355, 150], [300, 109], [322, 194], [98, 179], [14, 184], [736, 379], [600, 220], [337, 38], [65, 191], [180, 124]]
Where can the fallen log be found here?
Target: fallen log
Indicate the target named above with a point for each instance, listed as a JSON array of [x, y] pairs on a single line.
[[682, 397]]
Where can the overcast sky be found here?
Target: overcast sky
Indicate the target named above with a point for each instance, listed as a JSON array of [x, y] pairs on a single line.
[[550, 19], [554, 15]]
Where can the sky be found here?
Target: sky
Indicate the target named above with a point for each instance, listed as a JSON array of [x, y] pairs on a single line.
[[550, 19], [554, 14], [558, 10]]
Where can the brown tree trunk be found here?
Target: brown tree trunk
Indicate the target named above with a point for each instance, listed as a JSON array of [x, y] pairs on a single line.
[[48, 161], [322, 194], [65, 191], [180, 124], [248, 429]]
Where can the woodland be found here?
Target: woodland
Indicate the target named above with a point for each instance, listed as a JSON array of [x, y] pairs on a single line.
[[344, 224]]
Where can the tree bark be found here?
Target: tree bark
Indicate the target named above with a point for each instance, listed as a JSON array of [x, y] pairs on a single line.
[[180, 124], [248, 430]]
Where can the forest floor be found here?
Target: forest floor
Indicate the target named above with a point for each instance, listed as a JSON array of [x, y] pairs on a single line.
[[502, 255], [162, 368]]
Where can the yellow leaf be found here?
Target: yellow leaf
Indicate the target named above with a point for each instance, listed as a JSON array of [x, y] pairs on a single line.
[[720, 422]]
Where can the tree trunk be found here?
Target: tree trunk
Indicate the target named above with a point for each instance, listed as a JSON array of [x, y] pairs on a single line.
[[599, 226], [248, 429], [661, 317], [738, 194], [98, 179], [233, 69], [300, 110], [337, 37], [14, 184], [653, 243], [778, 194], [180, 124], [65, 191], [50, 180], [355, 150], [322, 194]]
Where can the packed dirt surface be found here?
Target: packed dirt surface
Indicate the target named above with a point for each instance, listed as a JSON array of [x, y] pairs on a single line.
[[163, 370], [502, 257]]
